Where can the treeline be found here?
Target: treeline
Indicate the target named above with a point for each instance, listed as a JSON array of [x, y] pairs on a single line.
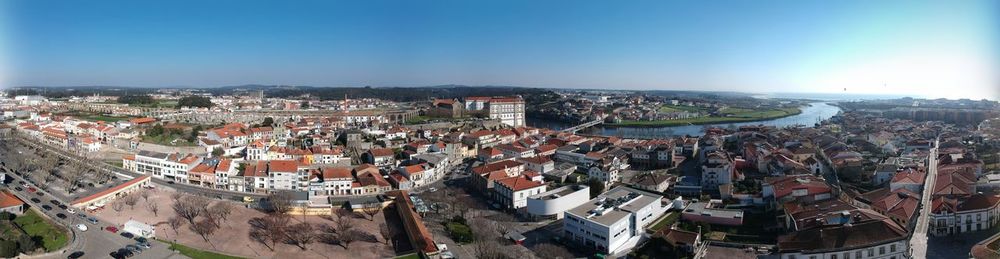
[[194, 101], [136, 99], [403, 94]]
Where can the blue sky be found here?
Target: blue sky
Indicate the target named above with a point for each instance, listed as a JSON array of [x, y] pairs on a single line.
[[923, 48]]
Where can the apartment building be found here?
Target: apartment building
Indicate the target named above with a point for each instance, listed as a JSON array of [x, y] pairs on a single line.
[[173, 167], [509, 110]]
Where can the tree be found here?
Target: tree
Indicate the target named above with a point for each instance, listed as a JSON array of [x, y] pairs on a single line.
[[276, 225], [280, 201], [386, 233], [155, 131], [268, 122], [175, 222], [136, 99], [547, 250], [194, 101], [154, 207], [485, 245], [204, 228], [347, 237], [131, 199], [145, 195], [8, 248], [305, 104], [344, 223], [118, 206], [301, 234], [193, 137], [261, 236], [371, 209], [217, 152], [220, 210], [596, 187], [190, 207]]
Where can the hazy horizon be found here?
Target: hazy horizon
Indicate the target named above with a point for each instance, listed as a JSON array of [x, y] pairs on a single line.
[[926, 49]]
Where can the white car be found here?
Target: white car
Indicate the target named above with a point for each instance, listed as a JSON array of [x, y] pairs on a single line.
[[432, 189], [70, 211], [81, 227]]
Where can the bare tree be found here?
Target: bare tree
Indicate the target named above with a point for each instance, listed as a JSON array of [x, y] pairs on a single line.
[[371, 209], [190, 207], [261, 236], [347, 237], [145, 195], [154, 207], [344, 223], [547, 250], [386, 233], [301, 234], [220, 210], [131, 199], [204, 228], [280, 201], [175, 222], [485, 245], [176, 196], [118, 206]]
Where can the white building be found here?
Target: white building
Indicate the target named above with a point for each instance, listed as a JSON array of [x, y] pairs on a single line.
[[513, 192], [172, 167], [554, 203], [613, 222], [717, 170], [509, 110]]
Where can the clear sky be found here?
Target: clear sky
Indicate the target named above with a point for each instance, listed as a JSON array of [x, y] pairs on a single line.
[[921, 48]]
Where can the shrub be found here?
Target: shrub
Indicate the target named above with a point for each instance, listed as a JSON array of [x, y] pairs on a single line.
[[459, 232]]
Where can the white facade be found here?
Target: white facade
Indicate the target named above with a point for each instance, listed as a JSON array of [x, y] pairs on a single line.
[[510, 112], [553, 203], [892, 250]]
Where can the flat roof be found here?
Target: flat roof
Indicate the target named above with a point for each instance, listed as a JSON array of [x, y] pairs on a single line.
[[111, 190], [704, 208], [616, 203]]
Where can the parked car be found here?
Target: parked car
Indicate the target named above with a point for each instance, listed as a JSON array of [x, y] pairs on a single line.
[[55, 202], [63, 206], [32, 189], [111, 229], [92, 220], [81, 215], [18, 188], [61, 216], [127, 235], [74, 255], [47, 207], [145, 245], [35, 200], [81, 227], [70, 211]]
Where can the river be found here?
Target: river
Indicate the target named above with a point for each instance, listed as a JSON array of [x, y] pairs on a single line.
[[810, 115]]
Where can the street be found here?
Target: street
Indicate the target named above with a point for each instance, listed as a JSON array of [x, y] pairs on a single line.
[[95, 242]]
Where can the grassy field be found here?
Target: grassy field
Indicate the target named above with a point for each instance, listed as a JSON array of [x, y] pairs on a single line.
[[675, 108], [417, 119], [196, 253], [744, 116], [53, 238]]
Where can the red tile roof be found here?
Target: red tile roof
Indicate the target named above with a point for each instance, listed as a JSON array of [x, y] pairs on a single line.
[[519, 183], [337, 173], [379, 152], [8, 199], [100, 194], [283, 166]]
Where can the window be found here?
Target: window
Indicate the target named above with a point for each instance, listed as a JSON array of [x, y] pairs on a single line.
[[881, 250], [892, 248]]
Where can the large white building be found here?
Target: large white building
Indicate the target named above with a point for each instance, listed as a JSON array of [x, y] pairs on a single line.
[[614, 221], [172, 167], [554, 203], [509, 110], [513, 192]]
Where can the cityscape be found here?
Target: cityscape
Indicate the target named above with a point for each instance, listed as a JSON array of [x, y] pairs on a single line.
[[153, 152]]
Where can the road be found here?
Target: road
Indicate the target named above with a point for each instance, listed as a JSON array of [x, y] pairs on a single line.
[[918, 241], [95, 242], [99, 165]]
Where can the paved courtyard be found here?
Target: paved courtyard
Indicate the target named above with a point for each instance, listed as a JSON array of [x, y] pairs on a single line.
[[233, 237]]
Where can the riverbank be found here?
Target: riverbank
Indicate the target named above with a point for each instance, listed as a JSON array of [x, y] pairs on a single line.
[[746, 116]]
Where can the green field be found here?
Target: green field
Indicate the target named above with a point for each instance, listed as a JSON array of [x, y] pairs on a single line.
[[743, 116], [104, 118], [52, 237], [676, 108], [197, 253]]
